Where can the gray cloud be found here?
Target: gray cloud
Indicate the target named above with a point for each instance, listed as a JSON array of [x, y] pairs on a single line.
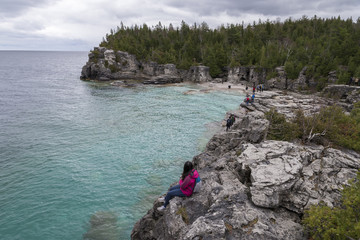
[[61, 23], [263, 7], [9, 8]]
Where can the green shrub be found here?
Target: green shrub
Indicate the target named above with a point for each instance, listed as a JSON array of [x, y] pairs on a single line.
[[343, 77], [343, 130], [271, 74], [113, 68], [330, 123], [321, 84], [279, 128], [182, 212], [292, 69], [323, 222]]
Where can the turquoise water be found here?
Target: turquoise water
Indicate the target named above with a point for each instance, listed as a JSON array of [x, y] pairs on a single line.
[[71, 150]]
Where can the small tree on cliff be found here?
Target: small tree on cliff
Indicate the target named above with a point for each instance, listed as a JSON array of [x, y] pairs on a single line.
[[331, 124], [342, 222]]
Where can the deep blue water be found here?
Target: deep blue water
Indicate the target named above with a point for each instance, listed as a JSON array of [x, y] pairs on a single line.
[[71, 151]]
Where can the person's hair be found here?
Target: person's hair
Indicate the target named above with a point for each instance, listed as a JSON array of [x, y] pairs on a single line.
[[188, 166]]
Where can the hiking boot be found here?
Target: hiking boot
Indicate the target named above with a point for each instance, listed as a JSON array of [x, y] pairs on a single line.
[[162, 208]]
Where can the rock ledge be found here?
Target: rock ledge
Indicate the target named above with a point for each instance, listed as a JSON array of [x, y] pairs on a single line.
[[254, 188]]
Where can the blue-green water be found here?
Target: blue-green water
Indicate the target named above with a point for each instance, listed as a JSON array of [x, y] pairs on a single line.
[[70, 149]]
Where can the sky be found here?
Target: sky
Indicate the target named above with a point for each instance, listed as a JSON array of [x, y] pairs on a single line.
[[80, 25]]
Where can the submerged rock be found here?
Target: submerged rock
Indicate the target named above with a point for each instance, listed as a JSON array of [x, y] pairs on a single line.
[[163, 79], [103, 225]]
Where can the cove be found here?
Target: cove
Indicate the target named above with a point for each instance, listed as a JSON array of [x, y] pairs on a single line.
[[72, 150]]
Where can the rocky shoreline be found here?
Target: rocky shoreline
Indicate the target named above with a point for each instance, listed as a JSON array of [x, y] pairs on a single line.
[[124, 70], [254, 188]]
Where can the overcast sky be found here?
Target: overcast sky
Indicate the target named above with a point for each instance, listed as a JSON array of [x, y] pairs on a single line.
[[80, 25]]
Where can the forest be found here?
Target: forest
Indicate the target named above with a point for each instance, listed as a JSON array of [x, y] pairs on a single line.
[[322, 45]]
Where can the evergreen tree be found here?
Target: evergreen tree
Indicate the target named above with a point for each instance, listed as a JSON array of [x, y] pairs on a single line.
[[323, 45]]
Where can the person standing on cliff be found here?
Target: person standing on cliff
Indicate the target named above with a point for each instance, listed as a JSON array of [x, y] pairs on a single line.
[[247, 99], [228, 123], [185, 187], [232, 117], [350, 81], [356, 81]]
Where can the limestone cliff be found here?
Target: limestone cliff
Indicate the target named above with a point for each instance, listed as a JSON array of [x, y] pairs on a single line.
[[254, 188], [105, 64]]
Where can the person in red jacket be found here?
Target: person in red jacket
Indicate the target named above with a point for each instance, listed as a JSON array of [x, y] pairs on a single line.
[[185, 187]]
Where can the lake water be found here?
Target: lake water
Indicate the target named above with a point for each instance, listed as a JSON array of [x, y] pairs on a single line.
[[74, 153]]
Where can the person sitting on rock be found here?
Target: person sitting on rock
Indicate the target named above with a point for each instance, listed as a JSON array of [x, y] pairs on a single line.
[[185, 187]]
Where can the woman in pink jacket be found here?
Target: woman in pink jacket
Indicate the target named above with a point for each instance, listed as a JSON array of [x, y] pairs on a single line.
[[185, 187]]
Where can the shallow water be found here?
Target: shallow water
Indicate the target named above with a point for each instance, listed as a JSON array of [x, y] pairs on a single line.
[[76, 154]]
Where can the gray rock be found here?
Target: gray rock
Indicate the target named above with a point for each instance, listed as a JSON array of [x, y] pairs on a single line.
[[106, 64], [163, 79], [248, 75], [198, 74], [349, 95]]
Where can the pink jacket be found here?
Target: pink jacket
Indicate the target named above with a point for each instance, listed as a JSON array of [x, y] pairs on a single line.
[[187, 186]]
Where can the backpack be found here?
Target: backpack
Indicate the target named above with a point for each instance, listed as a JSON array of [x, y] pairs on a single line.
[[228, 122], [198, 184]]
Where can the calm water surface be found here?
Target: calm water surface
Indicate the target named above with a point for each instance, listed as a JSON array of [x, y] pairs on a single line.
[[74, 154]]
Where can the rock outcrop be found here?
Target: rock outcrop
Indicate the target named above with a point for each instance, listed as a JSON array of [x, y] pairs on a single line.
[[254, 188], [198, 74], [247, 75], [280, 82], [348, 94], [105, 64]]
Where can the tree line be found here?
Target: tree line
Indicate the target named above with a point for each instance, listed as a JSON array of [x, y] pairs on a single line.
[[322, 45]]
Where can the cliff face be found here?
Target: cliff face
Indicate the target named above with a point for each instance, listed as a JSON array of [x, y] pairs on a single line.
[[104, 64], [247, 74], [254, 188]]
